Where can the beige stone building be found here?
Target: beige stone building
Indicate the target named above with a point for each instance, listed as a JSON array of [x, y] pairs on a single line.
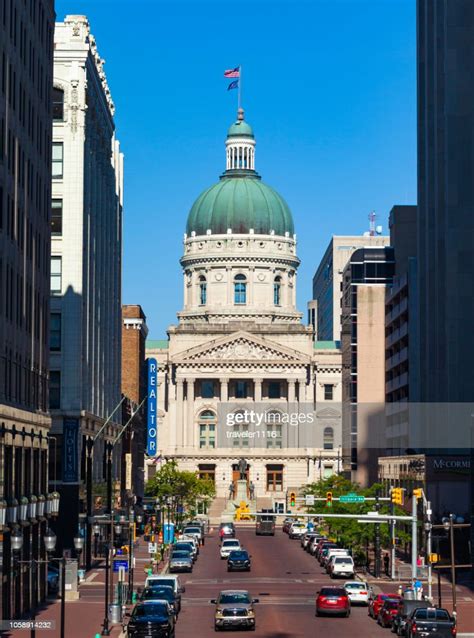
[[239, 347]]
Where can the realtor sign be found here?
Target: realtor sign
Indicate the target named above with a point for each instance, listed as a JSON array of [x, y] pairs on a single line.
[[152, 425]]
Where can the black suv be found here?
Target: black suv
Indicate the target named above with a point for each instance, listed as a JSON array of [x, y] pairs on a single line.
[[405, 608], [239, 559], [151, 620]]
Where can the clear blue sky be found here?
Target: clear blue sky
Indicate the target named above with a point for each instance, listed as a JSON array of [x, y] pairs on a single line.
[[329, 87]]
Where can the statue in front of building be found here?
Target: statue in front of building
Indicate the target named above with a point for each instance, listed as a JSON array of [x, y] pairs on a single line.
[[243, 466]]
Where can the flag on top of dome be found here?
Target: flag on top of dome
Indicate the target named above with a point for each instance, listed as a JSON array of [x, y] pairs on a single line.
[[233, 85], [232, 73]]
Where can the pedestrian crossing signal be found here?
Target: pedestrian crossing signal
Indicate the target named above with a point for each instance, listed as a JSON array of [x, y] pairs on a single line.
[[328, 499], [292, 499]]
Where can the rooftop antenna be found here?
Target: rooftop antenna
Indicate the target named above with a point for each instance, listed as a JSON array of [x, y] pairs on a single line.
[[372, 231]]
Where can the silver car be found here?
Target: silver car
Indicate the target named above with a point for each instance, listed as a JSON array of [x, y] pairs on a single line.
[[181, 561]]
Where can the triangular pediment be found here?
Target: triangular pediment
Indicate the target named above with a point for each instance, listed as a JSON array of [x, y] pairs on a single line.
[[242, 346]]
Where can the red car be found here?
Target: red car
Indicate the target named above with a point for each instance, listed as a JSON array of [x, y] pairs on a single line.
[[333, 600], [375, 604], [387, 612]]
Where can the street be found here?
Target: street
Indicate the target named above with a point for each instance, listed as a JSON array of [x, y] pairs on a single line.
[[283, 577]]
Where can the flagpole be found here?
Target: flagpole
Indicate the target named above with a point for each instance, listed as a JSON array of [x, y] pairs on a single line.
[[239, 85]]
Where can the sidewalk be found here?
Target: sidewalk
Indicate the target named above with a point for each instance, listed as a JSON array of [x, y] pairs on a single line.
[[84, 617]]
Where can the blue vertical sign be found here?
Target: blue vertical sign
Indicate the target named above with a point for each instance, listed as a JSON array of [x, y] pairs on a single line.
[[70, 450], [152, 423]]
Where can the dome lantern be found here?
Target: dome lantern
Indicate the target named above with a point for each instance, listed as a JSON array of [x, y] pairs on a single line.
[[240, 145]]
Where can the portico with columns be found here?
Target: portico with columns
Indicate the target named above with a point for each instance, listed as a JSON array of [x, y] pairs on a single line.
[[239, 343]]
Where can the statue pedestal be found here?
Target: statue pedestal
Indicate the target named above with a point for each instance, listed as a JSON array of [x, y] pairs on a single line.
[[241, 493]]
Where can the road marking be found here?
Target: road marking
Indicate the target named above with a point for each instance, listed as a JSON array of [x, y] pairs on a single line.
[[90, 578]]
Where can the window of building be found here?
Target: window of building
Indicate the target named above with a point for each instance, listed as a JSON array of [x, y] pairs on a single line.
[[207, 472], [274, 390], [240, 289], [58, 104], [274, 478], [328, 439], [56, 274], [56, 216], [54, 389], [328, 471], [57, 160], [207, 388], [55, 332], [207, 430], [202, 291], [328, 392], [277, 291], [241, 389]]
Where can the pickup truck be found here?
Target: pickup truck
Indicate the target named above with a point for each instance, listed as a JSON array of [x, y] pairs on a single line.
[[432, 622]]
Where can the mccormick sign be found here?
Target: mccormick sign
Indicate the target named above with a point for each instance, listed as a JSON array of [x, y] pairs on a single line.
[[152, 424]]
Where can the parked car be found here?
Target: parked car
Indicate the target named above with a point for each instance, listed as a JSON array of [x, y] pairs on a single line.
[[180, 561], [229, 545], [186, 547], [170, 580], [287, 523], [161, 593], [335, 551], [326, 545], [341, 567], [151, 619], [238, 560], [234, 608], [307, 538], [387, 612], [297, 530], [314, 544], [325, 551], [185, 538], [194, 530], [334, 601], [405, 608], [376, 602], [357, 591], [226, 530], [436, 623]]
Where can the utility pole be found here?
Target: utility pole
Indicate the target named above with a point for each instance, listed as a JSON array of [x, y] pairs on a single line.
[[428, 528], [414, 526], [392, 542], [377, 539]]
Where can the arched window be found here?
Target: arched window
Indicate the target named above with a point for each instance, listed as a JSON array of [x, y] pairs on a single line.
[[277, 291], [328, 439], [58, 104], [240, 289], [207, 430], [202, 291]]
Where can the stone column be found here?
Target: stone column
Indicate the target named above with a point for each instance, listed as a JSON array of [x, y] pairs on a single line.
[[224, 389], [258, 390], [179, 413], [189, 428], [230, 300], [291, 391]]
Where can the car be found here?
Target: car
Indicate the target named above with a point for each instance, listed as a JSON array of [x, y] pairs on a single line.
[[184, 538], [376, 602], [306, 538], [433, 622], [357, 591], [234, 608], [180, 561], [226, 530], [322, 547], [333, 601], [341, 567], [336, 551], [161, 593], [387, 612], [287, 523], [238, 560], [229, 545], [297, 530], [194, 530], [314, 543], [151, 619], [265, 523], [186, 547], [405, 608], [170, 580], [325, 551]]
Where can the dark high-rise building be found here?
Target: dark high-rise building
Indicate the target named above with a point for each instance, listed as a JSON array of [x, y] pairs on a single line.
[[445, 50], [26, 80]]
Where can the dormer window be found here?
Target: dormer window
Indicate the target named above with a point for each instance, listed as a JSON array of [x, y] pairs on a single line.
[[240, 289]]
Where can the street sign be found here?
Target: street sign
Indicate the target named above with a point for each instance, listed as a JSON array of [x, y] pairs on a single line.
[[120, 563], [309, 499], [352, 497], [152, 548]]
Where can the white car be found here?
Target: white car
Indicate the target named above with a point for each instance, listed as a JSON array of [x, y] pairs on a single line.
[[229, 545], [297, 530], [357, 591], [342, 566], [337, 551]]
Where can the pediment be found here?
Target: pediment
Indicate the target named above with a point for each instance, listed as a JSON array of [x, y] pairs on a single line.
[[328, 413], [242, 346]]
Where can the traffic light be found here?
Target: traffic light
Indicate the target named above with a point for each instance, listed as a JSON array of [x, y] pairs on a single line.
[[397, 495], [328, 499], [292, 499], [418, 493]]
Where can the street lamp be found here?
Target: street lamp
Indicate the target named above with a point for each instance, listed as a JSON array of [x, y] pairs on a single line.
[[16, 540], [3, 512], [448, 524], [55, 503], [78, 546]]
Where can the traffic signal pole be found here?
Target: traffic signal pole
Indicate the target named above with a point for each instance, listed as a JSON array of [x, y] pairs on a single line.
[[392, 542], [414, 539]]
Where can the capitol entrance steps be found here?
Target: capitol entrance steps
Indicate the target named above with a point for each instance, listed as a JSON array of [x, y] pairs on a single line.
[[216, 509]]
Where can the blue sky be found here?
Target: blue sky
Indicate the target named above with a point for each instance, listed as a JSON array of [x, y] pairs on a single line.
[[328, 85]]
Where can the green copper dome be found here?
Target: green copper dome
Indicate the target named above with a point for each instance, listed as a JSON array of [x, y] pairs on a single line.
[[240, 203]]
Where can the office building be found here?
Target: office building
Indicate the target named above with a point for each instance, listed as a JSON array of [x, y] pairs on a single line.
[[26, 72], [86, 311]]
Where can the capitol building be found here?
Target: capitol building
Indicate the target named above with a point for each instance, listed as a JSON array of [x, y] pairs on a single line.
[[240, 376]]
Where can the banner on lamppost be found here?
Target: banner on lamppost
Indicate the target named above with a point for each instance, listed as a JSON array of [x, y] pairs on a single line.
[[152, 423], [70, 450]]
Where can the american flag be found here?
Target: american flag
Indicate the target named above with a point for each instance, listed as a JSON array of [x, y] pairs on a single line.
[[232, 73]]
